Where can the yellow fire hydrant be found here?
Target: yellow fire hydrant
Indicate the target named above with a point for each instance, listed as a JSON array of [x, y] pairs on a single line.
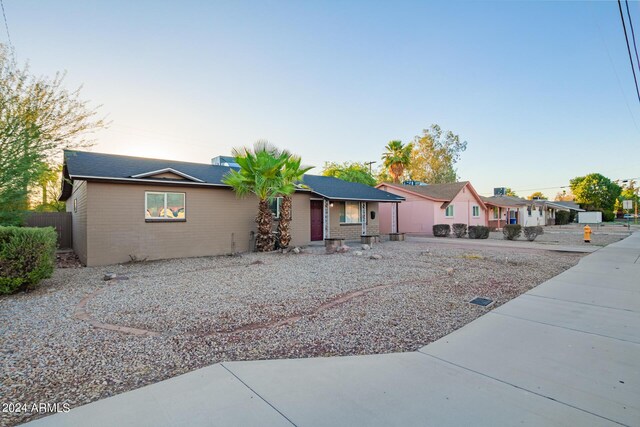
[[587, 234]]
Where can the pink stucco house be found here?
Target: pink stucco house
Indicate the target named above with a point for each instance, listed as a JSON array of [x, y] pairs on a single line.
[[426, 205]]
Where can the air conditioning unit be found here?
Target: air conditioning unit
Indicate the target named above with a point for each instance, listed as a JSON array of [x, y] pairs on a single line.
[[500, 191]]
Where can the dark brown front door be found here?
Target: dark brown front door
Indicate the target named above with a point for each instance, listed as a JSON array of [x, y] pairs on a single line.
[[317, 221]]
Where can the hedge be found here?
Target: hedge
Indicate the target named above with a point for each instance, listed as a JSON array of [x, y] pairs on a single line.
[[441, 230], [459, 230], [512, 231], [27, 255], [562, 217], [532, 232], [478, 232]]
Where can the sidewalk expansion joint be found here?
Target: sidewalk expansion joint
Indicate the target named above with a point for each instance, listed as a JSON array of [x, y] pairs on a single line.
[[258, 394], [583, 303], [522, 388], [562, 327]]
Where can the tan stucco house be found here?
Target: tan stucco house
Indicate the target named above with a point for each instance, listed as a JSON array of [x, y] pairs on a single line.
[[130, 207]]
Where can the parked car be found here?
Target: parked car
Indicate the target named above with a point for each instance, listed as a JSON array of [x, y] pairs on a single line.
[[630, 216]]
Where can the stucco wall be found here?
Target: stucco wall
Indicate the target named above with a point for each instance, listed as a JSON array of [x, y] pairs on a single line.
[[339, 230], [77, 205], [462, 210], [216, 223]]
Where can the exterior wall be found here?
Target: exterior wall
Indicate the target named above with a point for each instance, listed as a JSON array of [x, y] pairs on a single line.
[[462, 210], [79, 219], [216, 223], [339, 230], [535, 219], [415, 214]]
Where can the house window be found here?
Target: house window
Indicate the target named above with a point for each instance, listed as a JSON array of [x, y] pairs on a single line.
[[449, 211], [529, 210], [274, 205], [350, 213], [164, 206], [475, 210], [496, 213], [540, 210]]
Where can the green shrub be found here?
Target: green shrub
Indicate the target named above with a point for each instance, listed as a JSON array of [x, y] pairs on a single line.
[[512, 231], [459, 230], [478, 232], [562, 217], [441, 230], [532, 232], [608, 216], [27, 255]]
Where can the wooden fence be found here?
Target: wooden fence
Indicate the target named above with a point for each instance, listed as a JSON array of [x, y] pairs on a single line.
[[61, 221]]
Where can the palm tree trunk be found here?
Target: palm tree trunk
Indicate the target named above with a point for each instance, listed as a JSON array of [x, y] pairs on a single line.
[[284, 227], [264, 239]]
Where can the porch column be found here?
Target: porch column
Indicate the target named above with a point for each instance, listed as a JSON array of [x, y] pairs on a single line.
[[394, 218], [363, 217], [326, 233]]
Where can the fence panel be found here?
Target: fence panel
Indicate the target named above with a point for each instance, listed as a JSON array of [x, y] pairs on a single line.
[[61, 221]]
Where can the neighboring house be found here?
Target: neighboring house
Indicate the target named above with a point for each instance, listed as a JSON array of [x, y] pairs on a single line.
[[515, 210], [570, 205], [427, 205], [124, 207]]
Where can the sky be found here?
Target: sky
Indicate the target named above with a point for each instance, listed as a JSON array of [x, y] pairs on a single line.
[[541, 91]]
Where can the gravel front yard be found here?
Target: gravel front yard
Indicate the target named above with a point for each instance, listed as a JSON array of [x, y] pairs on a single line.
[[196, 312], [573, 235]]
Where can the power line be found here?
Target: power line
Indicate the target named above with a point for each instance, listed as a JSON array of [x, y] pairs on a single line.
[[626, 37], [6, 25], [633, 34]]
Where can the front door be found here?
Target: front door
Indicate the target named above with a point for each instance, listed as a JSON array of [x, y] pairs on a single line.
[[317, 220]]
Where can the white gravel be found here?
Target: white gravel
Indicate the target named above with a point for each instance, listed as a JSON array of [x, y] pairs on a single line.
[[195, 305]]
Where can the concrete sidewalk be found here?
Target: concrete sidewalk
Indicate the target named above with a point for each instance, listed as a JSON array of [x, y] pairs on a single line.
[[565, 353]]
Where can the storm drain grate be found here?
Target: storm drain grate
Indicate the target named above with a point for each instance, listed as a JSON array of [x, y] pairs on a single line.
[[481, 301]]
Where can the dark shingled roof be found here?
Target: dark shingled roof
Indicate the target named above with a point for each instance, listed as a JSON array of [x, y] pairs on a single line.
[[111, 167], [504, 201], [334, 188]]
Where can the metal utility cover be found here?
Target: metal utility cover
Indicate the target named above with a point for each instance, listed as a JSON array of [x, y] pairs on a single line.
[[481, 301]]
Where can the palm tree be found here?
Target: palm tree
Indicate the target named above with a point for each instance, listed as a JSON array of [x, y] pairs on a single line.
[[397, 158], [292, 172], [260, 173]]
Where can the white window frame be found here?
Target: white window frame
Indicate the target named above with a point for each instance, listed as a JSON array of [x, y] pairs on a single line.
[[165, 218], [473, 209], [446, 212], [359, 214]]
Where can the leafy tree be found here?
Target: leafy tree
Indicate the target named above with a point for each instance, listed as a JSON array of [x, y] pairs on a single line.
[[38, 118], [260, 173], [292, 172], [563, 196], [45, 194], [434, 156], [537, 195], [617, 206], [595, 191], [510, 192], [397, 158], [352, 172], [630, 192]]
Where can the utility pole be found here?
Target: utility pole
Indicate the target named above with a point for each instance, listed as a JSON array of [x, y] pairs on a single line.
[[370, 163]]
